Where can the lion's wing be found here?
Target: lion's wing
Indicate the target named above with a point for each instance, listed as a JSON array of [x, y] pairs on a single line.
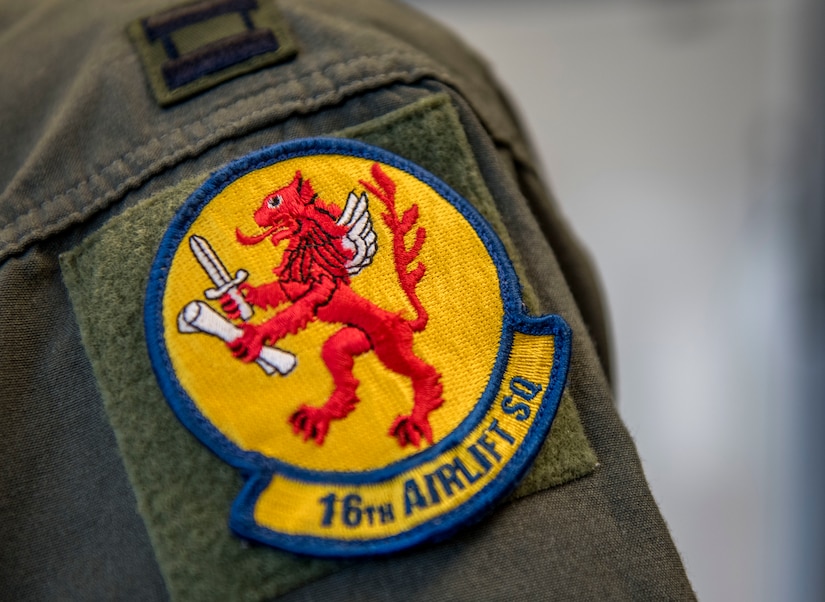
[[360, 237]]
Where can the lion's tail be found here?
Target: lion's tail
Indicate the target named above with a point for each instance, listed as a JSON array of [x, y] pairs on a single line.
[[384, 190]]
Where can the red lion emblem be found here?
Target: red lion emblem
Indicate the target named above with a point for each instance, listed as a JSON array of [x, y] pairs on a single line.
[[326, 246]]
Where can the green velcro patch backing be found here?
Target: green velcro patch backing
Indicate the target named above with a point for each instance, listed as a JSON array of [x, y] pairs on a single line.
[[184, 492], [196, 46]]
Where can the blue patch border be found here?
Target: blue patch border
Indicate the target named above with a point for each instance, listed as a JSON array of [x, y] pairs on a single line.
[[259, 470]]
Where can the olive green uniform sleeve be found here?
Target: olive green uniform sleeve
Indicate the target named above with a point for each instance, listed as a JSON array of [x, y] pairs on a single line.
[[90, 157]]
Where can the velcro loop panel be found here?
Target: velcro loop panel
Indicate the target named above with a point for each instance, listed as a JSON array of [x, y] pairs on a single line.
[[184, 492]]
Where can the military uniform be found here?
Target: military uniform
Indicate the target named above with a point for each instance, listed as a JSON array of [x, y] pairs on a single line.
[[86, 142]]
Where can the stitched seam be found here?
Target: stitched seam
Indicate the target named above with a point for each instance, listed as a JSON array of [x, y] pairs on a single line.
[[242, 97], [132, 181], [185, 128], [234, 101]]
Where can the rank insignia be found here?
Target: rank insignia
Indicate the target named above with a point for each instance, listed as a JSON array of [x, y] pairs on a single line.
[[348, 332]]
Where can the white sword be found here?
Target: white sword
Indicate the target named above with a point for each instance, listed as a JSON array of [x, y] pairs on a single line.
[[224, 283]]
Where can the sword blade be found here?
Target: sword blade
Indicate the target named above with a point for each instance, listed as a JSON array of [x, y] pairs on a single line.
[[209, 261]]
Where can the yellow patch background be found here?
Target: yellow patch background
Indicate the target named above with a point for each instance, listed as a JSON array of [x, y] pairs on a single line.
[[292, 507], [460, 291]]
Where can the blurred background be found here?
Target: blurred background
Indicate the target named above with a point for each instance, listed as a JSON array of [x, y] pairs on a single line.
[[684, 142]]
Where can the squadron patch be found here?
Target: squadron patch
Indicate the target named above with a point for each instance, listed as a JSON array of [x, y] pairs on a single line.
[[348, 332]]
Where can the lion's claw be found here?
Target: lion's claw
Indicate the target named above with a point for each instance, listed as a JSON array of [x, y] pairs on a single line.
[[408, 429], [230, 306], [313, 423], [247, 347]]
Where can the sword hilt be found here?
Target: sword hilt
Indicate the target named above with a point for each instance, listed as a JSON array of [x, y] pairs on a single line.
[[231, 288]]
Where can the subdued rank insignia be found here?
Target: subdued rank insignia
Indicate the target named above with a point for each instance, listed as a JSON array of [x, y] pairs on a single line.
[[194, 47], [347, 332]]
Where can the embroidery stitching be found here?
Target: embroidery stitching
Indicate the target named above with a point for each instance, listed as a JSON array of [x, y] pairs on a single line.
[[461, 473], [326, 246]]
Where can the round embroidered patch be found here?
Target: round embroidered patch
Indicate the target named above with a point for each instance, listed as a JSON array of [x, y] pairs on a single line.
[[347, 331]]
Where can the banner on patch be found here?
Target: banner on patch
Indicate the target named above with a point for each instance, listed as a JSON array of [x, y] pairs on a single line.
[[348, 332]]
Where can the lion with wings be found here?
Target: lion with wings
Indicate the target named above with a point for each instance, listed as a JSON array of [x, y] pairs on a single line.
[[326, 247]]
